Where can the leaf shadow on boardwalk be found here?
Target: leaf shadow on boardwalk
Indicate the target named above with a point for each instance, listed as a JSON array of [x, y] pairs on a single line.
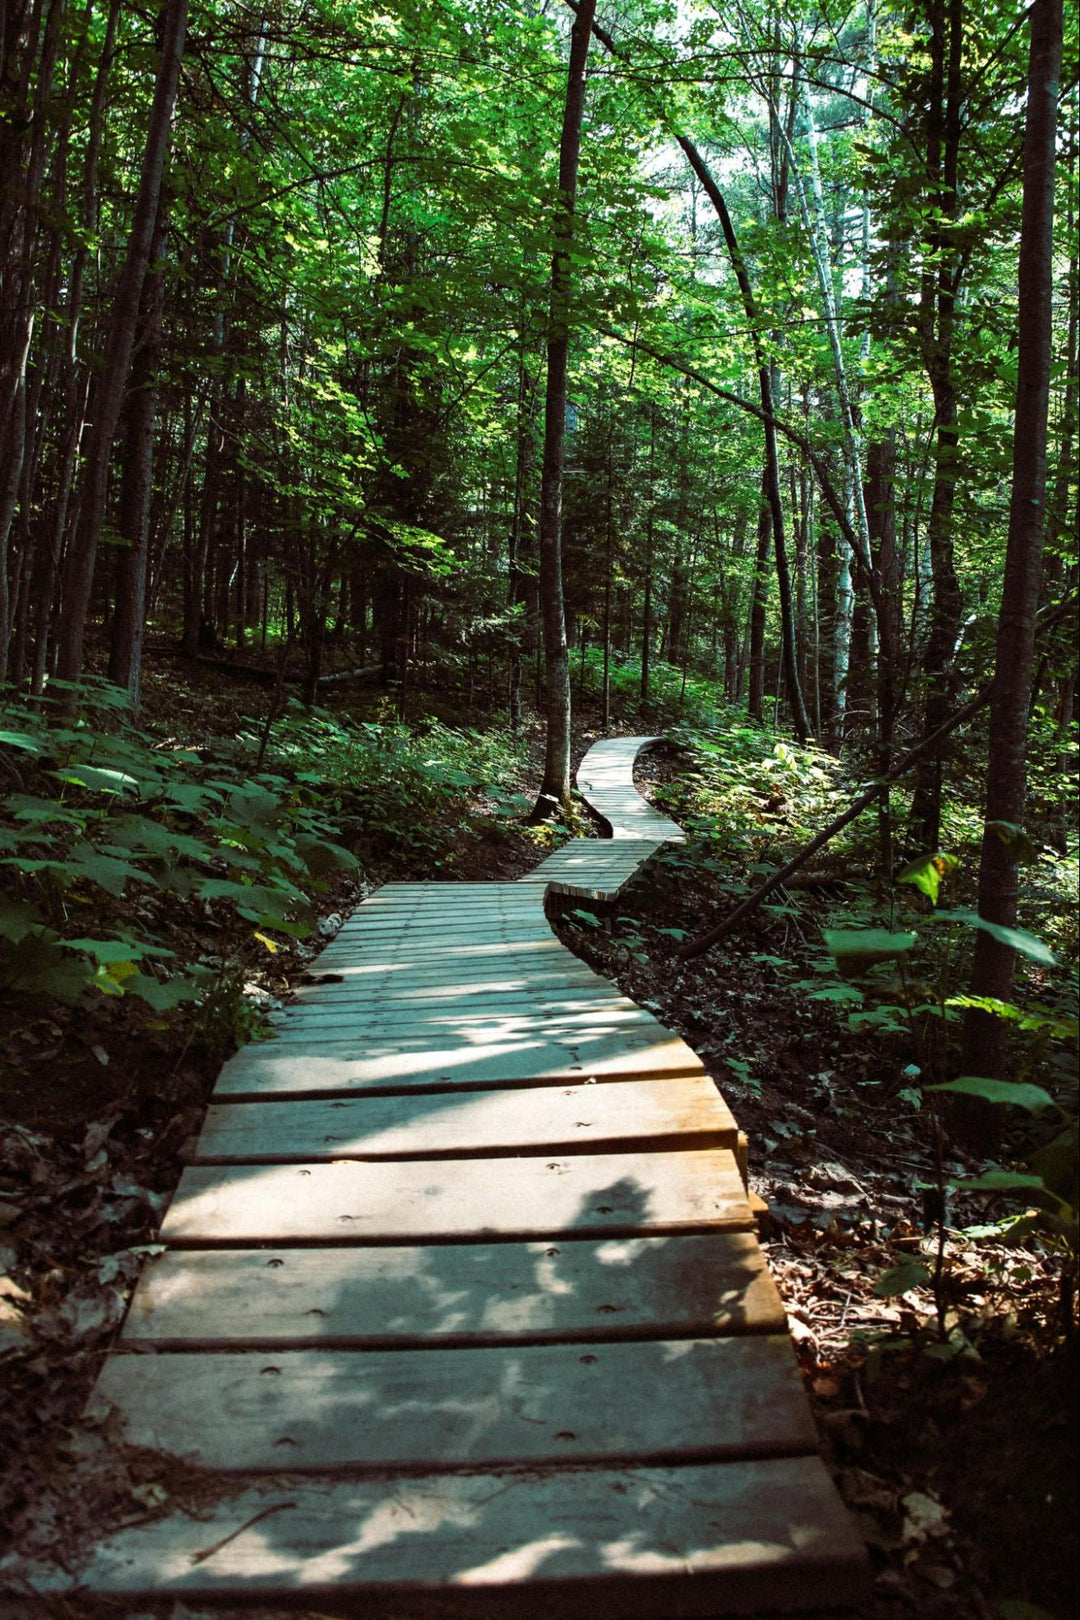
[[623, 1529]]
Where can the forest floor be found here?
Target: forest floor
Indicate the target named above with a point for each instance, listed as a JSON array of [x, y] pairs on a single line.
[[961, 1471]]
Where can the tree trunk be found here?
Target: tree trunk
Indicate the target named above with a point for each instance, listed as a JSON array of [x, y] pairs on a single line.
[[992, 974], [937, 322], [119, 342], [759, 596], [555, 790], [129, 618]]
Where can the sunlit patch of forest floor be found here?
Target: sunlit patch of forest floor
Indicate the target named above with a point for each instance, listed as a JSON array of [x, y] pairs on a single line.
[[960, 1467], [961, 1471]]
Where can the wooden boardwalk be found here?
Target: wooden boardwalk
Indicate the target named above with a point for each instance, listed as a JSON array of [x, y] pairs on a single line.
[[462, 1307]]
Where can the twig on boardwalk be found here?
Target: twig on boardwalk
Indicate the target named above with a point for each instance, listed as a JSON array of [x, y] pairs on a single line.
[[264, 1513]]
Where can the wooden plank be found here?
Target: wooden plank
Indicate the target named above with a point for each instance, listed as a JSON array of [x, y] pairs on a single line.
[[508, 974], [446, 924], [492, 1021], [686, 1543], [512, 905], [528, 1001], [281, 1068], [460, 1294], [463, 1200], [481, 1408], [538, 951], [584, 1006], [339, 1041], [638, 1114]]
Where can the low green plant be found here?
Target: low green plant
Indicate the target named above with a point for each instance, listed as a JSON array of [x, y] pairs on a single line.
[[904, 981], [409, 785], [105, 830]]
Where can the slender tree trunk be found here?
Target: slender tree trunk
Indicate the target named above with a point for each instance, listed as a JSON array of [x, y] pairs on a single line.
[[120, 339], [759, 596], [984, 1035], [129, 618], [937, 323], [555, 791], [522, 559]]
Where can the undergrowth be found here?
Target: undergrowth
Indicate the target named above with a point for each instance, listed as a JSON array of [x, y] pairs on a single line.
[[140, 867], [891, 954]]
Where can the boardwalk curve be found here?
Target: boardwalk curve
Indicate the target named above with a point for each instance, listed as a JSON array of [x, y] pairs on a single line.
[[462, 1305]]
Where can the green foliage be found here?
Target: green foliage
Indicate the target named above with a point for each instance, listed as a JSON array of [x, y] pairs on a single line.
[[921, 1004], [927, 872], [746, 792], [910, 1273], [1016, 1093], [121, 833], [406, 785]]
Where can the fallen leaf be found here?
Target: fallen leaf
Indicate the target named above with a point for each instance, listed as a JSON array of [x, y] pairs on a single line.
[[924, 1516]]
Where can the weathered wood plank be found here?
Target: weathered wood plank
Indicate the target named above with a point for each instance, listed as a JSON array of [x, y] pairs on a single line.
[[281, 1068], [582, 1002], [538, 951], [476, 1293], [489, 1022], [639, 1114], [477, 1001], [463, 1200], [686, 1543], [500, 977], [420, 1409]]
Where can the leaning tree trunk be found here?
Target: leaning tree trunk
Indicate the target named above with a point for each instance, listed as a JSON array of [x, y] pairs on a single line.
[[992, 975], [555, 791], [119, 343]]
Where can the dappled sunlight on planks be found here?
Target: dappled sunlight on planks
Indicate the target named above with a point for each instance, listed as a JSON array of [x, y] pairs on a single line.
[[463, 1277]]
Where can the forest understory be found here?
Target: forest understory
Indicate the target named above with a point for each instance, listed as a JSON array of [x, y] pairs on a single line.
[[960, 1467], [396, 398]]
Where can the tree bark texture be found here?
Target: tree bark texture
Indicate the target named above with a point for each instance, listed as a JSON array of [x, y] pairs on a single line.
[[119, 344], [985, 1035], [555, 791]]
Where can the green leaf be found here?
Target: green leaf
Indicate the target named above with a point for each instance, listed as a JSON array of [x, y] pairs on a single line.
[[927, 873], [1000, 1181], [122, 949], [96, 778], [17, 918], [1020, 1093], [1016, 841], [106, 871], [843, 993], [1064, 1029], [1018, 938], [856, 950], [39, 812], [23, 740], [320, 856], [910, 1273], [589, 918], [187, 796], [163, 995], [36, 964]]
